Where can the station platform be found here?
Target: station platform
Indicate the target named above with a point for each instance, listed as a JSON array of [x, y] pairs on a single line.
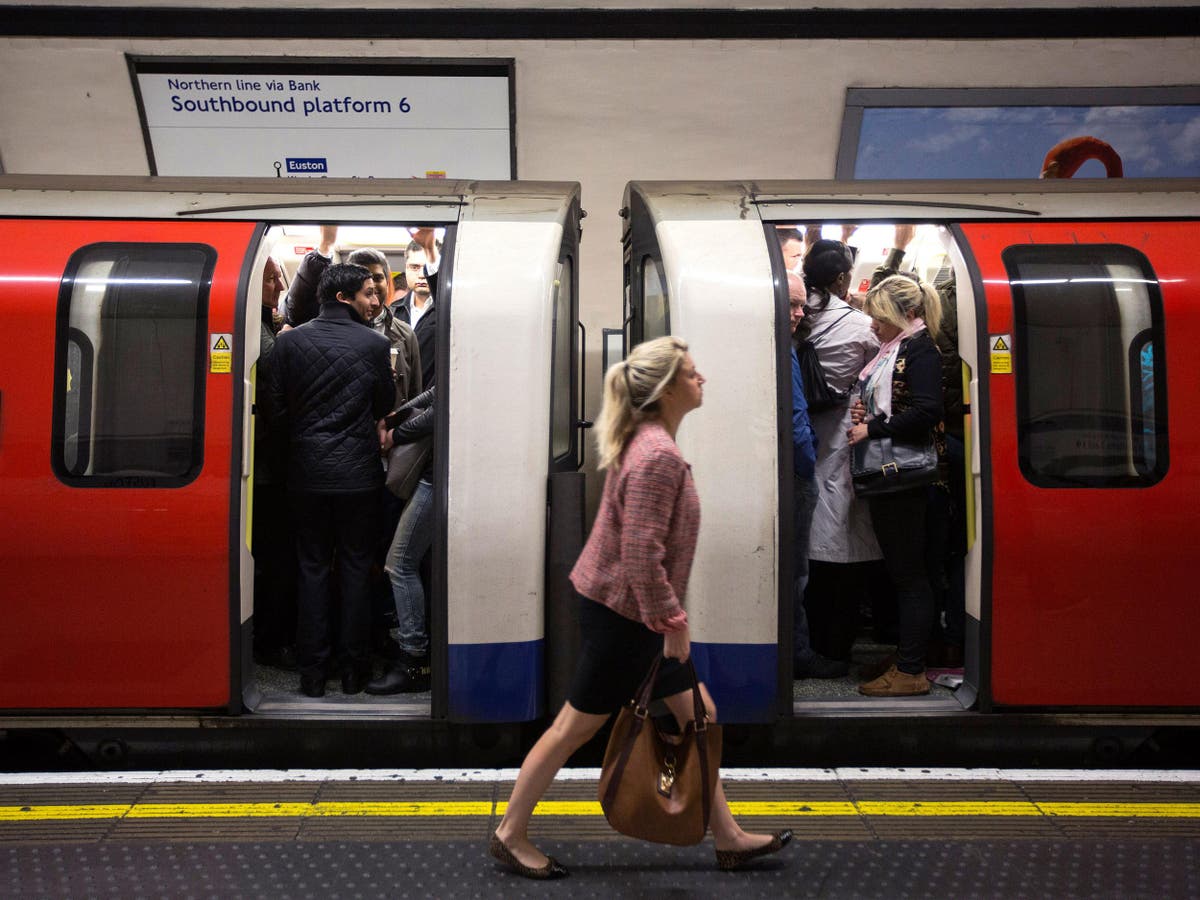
[[423, 833]]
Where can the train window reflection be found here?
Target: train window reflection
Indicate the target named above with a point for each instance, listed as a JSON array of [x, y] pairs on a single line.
[[1091, 401], [129, 400], [560, 419], [656, 320]]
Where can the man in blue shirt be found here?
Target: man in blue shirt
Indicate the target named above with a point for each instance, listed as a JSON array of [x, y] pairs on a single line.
[[806, 662]]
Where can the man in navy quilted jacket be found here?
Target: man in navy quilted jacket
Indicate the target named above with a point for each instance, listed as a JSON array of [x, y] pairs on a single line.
[[331, 382]]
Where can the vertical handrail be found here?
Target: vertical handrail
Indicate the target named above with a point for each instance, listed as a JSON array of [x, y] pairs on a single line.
[[581, 424]]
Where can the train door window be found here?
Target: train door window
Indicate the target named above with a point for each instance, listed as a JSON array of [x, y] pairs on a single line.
[[129, 395], [561, 421], [1091, 398], [656, 319]]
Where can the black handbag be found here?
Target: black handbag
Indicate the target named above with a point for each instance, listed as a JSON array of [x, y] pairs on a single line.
[[883, 466], [817, 392], [406, 462]]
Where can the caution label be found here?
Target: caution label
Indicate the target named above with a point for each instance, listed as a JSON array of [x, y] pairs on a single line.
[[220, 347], [1001, 346]]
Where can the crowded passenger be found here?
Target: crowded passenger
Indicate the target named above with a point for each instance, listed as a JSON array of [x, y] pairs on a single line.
[[806, 662], [901, 398], [417, 308], [331, 382], [413, 538], [841, 540], [791, 245], [273, 539], [947, 510]]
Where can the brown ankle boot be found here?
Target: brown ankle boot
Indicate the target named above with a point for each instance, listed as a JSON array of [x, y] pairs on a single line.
[[894, 683]]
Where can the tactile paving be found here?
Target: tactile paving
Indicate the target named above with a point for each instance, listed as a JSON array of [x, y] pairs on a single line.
[[1061, 869]]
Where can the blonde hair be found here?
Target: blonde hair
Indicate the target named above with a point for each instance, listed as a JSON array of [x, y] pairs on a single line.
[[632, 388], [894, 298]]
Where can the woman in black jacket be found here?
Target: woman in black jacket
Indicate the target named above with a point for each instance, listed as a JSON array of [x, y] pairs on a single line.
[[901, 398], [413, 538]]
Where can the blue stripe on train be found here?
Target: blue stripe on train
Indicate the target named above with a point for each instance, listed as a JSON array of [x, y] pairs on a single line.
[[504, 682], [496, 682], [742, 679]]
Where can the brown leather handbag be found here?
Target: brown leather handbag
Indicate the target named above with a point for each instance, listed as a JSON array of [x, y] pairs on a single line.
[[655, 786]]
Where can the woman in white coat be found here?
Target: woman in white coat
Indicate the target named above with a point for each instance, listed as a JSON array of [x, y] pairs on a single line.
[[842, 538]]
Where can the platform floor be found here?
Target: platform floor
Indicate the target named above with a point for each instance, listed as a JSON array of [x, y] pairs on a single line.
[[859, 833]]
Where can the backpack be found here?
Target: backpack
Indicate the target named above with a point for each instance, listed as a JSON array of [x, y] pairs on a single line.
[[817, 392]]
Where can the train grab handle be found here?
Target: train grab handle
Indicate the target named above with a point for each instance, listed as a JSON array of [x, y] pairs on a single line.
[[581, 423]]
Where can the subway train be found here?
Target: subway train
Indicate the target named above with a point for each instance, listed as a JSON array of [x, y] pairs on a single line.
[[126, 420]]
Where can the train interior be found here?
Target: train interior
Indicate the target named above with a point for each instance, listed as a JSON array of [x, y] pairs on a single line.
[[271, 682], [869, 630]]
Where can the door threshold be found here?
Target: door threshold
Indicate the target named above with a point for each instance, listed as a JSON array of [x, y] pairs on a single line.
[[928, 705], [338, 706]]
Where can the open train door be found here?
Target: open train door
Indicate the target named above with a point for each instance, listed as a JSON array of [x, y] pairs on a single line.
[[117, 433], [1089, 517]]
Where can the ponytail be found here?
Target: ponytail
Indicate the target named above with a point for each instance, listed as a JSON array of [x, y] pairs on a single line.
[[632, 388]]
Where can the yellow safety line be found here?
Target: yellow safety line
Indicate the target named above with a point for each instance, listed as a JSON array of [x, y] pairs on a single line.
[[479, 808], [1123, 810], [47, 813]]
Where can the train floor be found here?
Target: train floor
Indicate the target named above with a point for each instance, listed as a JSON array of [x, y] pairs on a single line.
[[858, 833], [278, 694], [822, 695]]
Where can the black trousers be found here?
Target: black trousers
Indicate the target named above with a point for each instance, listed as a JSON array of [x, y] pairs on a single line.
[[327, 524], [901, 526], [833, 597], [274, 548]]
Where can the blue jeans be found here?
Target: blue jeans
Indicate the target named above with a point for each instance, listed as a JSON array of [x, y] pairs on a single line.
[[806, 493], [414, 537]]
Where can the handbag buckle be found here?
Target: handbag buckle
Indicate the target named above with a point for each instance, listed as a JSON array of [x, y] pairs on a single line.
[[890, 468], [666, 778]]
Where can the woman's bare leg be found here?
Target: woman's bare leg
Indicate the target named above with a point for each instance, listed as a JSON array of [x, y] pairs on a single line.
[[570, 730], [727, 833]]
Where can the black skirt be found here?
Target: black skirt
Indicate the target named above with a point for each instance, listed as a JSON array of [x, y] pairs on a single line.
[[615, 654]]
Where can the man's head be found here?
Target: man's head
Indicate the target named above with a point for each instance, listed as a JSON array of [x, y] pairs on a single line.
[[792, 246], [375, 262], [273, 286], [351, 285], [414, 270], [797, 295]]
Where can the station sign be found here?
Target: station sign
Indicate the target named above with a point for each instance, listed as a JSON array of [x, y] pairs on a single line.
[[297, 118]]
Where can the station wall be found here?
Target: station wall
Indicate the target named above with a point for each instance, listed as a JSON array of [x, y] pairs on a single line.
[[599, 112]]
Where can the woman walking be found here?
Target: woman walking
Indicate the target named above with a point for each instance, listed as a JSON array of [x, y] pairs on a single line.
[[631, 580], [902, 399]]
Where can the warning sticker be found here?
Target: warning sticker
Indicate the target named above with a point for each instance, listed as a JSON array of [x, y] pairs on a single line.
[[1001, 346], [220, 348]]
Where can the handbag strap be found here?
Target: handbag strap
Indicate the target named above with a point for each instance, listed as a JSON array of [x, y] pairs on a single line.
[[812, 338], [700, 725]]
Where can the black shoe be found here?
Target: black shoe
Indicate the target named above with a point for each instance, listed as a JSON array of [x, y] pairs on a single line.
[[354, 679], [401, 679], [818, 666], [313, 685], [729, 860], [552, 869], [278, 658]]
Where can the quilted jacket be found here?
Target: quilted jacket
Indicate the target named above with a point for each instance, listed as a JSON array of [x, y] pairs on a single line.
[[331, 380]]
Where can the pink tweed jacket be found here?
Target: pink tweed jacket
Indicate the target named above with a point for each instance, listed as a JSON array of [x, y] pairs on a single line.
[[639, 554]]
